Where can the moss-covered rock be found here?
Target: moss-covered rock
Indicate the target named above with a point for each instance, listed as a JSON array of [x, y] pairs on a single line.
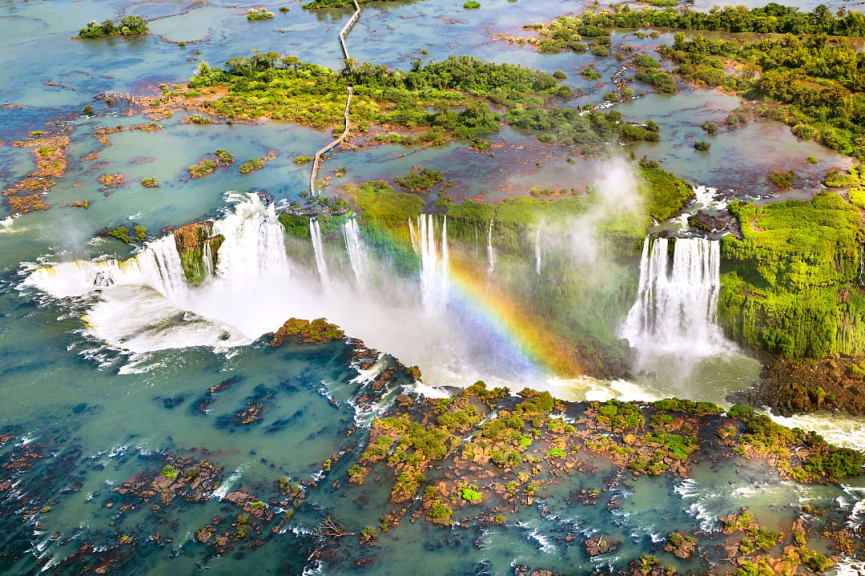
[[194, 242], [318, 331], [790, 284]]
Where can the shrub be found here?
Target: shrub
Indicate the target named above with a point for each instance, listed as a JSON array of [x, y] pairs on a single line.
[[710, 127], [783, 180]]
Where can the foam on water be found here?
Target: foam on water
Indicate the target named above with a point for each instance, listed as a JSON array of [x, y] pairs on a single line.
[[837, 428]]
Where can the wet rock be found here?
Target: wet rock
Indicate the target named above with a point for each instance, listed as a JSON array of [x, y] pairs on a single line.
[[598, 544]]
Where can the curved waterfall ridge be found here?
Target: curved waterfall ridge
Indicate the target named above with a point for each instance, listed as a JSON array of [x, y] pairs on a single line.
[[675, 310], [254, 242]]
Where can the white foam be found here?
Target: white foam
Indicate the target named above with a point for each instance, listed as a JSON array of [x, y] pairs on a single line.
[[836, 428]]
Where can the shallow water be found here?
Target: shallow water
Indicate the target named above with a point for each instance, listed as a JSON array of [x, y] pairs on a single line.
[[108, 385]]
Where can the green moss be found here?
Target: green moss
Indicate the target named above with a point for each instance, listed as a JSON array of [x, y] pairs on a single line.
[[121, 233], [252, 164], [471, 494], [689, 406], [782, 180], [787, 285], [666, 193], [420, 180], [140, 232]]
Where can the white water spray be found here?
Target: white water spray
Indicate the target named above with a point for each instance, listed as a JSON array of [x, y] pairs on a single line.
[[491, 255], [254, 243], [676, 303], [157, 267], [434, 263], [538, 251], [318, 249], [356, 251]]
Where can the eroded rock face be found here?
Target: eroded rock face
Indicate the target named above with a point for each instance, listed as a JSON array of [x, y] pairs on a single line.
[[191, 241], [792, 386]]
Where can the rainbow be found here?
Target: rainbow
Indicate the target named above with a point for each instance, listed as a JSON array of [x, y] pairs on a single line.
[[509, 318], [504, 315]]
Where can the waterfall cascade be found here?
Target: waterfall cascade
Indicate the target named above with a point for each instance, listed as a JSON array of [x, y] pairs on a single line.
[[538, 251], [356, 251], [491, 254], [157, 266], [434, 261], [254, 241], [318, 249], [676, 303]]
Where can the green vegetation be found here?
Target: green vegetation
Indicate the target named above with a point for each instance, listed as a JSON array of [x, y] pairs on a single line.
[[149, 183], [472, 5], [440, 512], [665, 192], [125, 235], [252, 164], [590, 74], [702, 146], [219, 159], [169, 472], [773, 18], [255, 14], [129, 26], [838, 464], [428, 96], [649, 71], [809, 83], [619, 415], [191, 241], [788, 285], [471, 494], [687, 406], [782, 180], [420, 180], [385, 212], [268, 85], [317, 331]]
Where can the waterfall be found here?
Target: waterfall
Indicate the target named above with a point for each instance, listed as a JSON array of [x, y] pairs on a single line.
[[254, 244], [434, 264], [156, 266], [355, 248], [676, 301], [318, 248], [491, 255], [538, 251], [413, 235]]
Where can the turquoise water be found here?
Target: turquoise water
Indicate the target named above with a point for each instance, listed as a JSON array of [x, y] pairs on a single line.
[[80, 417]]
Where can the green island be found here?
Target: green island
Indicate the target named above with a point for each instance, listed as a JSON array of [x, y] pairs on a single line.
[[128, 26], [422, 100]]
